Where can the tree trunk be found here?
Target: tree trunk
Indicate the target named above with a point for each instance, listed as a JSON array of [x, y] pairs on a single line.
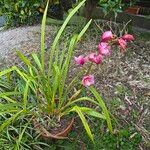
[[89, 8]]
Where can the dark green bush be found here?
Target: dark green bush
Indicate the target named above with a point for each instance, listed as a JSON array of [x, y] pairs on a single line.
[[27, 12], [20, 12]]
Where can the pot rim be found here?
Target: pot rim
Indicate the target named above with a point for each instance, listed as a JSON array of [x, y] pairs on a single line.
[[46, 134]]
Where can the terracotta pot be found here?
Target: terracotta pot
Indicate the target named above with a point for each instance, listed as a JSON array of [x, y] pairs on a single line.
[[133, 10], [48, 135]]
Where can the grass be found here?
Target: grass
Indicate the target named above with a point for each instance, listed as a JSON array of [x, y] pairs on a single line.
[[126, 138]]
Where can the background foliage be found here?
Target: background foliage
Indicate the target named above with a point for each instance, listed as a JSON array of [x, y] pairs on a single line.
[[23, 12], [20, 12]]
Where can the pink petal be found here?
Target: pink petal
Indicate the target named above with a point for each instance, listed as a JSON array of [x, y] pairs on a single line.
[[80, 60], [88, 80], [128, 37], [122, 43], [93, 57], [104, 49], [107, 36]]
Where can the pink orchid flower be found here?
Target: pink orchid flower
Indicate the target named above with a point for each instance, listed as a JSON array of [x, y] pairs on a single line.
[[128, 37], [104, 49], [107, 36], [93, 57], [80, 60], [122, 43], [88, 80]]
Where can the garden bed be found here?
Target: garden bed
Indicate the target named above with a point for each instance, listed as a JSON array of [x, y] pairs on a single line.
[[125, 89]]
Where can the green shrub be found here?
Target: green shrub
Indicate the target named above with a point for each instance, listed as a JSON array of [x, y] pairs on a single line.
[[20, 11], [27, 12], [114, 6]]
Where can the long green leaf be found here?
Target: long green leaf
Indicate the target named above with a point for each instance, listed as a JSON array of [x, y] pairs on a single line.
[[56, 82], [37, 61], [103, 106], [26, 77], [25, 94], [84, 122], [8, 99], [6, 71], [9, 94], [79, 100], [24, 59], [22, 74], [5, 84], [60, 33], [62, 55], [43, 36], [73, 82], [18, 141], [84, 30], [10, 106], [65, 68], [92, 112], [8, 112], [8, 121]]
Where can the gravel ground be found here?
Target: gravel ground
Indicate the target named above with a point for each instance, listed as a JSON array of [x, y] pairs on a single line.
[[25, 39]]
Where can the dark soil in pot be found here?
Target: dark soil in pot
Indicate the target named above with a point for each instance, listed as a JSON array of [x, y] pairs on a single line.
[[58, 131]]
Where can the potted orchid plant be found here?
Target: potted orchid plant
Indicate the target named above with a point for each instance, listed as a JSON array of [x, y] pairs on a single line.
[[45, 97]]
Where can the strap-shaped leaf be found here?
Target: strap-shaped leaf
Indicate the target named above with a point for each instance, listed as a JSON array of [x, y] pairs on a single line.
[[84, 122], [56, 83], [84, 30], [6, 71], [56, 40], [10, 106], [64, 69], [25, 94], [8, 121], [43, 36], [18, 141], [74, 96], [80, 100], [37, 61], [92, 112], [8, 112], [24, 58], [103, 106], [8, 99], [9, 94]]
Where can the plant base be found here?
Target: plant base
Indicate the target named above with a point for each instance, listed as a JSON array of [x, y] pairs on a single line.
[[45, 134]]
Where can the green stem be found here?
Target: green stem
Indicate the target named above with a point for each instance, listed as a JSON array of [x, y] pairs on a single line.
[[89, 69]]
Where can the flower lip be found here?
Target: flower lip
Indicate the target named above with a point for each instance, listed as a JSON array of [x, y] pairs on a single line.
[[106, 36], [122, 43], [128, 37], [93, 57], [80, 60], [88, 80], [104, 49]]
